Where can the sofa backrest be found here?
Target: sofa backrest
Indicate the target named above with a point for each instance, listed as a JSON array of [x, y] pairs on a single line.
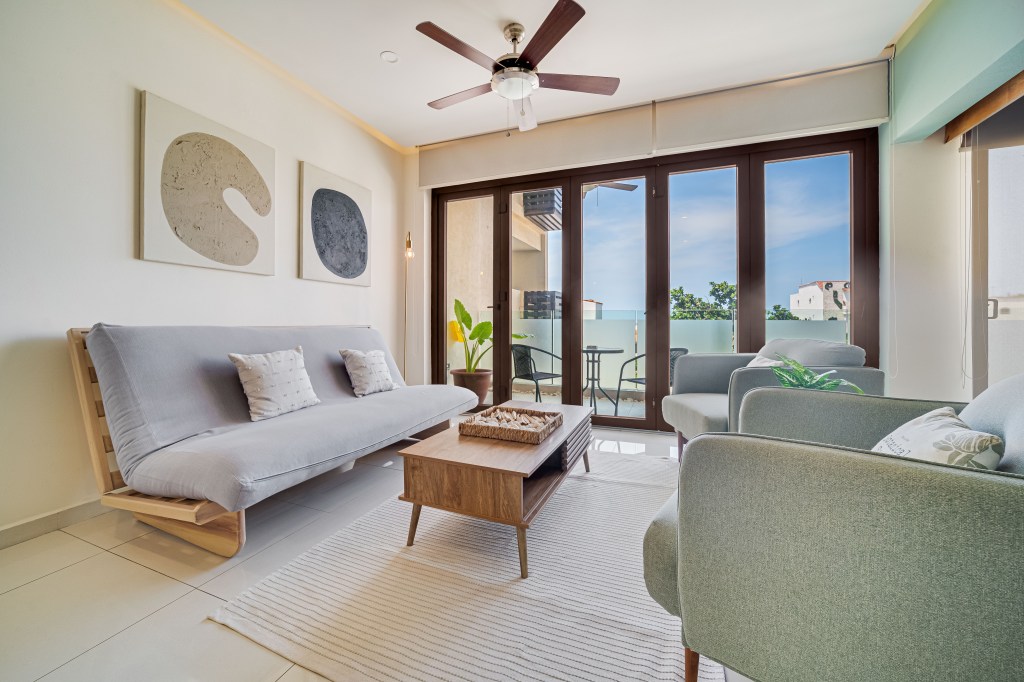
[[815, 352], [999, 410], [161, 385]]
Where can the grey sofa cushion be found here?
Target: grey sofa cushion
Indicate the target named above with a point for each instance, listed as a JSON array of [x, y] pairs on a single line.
[[692, 414], [660, 556], [161, 385], [239, 465], [815, 353], [997, 410]]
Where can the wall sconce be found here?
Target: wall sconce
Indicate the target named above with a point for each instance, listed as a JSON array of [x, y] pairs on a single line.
[[409, 255]]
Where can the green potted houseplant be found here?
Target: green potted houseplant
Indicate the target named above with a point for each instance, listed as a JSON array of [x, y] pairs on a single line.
[[476, 342], [794, 375]]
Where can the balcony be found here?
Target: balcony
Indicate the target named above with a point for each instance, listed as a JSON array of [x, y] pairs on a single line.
[[622, 335]]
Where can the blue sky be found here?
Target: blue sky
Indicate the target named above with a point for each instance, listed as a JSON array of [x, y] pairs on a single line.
[[807, 232]]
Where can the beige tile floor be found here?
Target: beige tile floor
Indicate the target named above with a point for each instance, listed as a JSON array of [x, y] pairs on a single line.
[[112, 599]]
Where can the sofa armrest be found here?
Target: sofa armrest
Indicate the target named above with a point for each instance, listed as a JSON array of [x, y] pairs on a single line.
[[844, 419], [869, 379], [707, 372], [799, 561]]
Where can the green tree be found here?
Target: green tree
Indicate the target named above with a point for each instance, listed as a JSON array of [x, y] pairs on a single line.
[[723, 294], [721, 306], [687, 306], [777, 312]]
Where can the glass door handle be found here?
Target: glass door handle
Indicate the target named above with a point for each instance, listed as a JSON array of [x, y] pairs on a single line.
[[993, 312]]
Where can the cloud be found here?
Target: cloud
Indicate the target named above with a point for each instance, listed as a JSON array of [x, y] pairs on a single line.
[[614, 267], [796, 211]]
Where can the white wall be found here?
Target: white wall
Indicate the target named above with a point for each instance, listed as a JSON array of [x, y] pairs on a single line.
[[70, 73], [923, 281], [416, 222]]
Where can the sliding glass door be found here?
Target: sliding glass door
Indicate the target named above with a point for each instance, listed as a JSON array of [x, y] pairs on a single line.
[[807, 248], [613, 310], [703, 216], [468, 255], [995, 154], [535, 294], [599, 279]]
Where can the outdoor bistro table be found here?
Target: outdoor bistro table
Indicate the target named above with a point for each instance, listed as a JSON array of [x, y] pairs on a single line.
[[594, 354]]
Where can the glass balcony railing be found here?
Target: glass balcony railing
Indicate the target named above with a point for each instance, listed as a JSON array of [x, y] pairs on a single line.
[[625, 333], [828, 325], [542, 331]]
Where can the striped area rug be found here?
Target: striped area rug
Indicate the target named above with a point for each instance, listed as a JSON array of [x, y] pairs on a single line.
[[363, 606]]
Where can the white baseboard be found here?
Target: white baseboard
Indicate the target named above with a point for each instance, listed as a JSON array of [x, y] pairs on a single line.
[[42, 525]]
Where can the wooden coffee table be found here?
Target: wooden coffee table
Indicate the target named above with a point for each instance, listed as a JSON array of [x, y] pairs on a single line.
[[492, 479]]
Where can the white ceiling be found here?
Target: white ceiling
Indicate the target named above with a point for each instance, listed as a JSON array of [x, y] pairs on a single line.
[[659, 48]]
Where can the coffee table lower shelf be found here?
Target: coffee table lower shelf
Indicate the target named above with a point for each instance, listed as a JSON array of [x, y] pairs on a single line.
[[486, 479]]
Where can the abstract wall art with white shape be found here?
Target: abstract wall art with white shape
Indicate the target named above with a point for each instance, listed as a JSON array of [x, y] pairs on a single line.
[[335, 228], [207, 192]]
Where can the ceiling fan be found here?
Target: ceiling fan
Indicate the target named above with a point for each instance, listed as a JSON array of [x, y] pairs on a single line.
[[514, 76], [611, 185]]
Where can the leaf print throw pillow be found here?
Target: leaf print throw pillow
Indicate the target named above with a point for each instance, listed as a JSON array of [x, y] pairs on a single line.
[[941, 436]]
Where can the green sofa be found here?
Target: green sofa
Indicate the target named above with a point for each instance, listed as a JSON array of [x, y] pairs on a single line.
[[791, 552]]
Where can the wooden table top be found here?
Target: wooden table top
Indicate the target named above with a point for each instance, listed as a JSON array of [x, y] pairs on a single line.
[[500, 455]]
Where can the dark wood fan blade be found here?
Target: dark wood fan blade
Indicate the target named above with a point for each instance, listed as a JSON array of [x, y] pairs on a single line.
[[432, 30], [460, 96], [618, 185], [598, 85], [563, 16]]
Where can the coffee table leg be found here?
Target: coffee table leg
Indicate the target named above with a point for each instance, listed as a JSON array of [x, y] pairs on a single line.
[[586, 459], [412, 523], [521, 537]]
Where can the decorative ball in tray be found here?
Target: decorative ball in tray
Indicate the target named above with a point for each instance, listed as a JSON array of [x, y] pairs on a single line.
[[511, 423]]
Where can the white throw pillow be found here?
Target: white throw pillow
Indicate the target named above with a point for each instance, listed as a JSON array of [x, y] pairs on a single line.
[[368, 371], [941, 436], [275, 383], [762, 361]]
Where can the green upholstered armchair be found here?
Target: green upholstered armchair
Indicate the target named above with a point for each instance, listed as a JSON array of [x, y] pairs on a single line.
[[708, 388], [791, 552]]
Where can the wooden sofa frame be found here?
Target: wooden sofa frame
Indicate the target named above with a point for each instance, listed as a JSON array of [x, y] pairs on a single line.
[[200, 522]]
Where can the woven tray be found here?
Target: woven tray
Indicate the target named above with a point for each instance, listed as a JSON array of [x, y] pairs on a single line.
[[516, 431]]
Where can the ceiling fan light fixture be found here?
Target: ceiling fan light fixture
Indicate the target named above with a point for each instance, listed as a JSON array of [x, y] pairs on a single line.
[[515, 82]]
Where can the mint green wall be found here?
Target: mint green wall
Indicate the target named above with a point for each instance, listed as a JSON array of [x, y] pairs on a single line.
[[954, 54]]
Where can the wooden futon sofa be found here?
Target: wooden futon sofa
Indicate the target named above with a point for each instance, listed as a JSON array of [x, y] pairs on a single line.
[[170, 438]]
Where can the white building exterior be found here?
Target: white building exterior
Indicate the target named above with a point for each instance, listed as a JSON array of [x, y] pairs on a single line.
[[821, 300]]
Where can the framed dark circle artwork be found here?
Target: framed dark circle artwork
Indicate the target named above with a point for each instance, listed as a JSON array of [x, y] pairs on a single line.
[[339, 233], [335, 228]]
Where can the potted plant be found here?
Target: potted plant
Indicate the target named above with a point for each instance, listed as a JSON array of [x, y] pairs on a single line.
[[794, 375], [476, 341]]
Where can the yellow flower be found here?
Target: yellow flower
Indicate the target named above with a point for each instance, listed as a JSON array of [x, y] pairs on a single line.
[[455, 330]]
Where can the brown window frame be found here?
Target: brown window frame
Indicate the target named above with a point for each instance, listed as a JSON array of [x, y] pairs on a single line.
[[861, 145]]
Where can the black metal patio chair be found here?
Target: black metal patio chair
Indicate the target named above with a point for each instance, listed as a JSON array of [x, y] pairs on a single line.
[[525, 366], [673, 355]]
